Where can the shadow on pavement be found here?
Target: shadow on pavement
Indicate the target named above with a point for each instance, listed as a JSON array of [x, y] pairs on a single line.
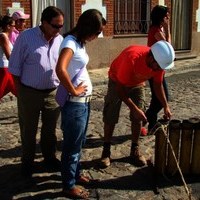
[[12, 183], [16, 151], [98, 142], [48, 185], [144, 178]]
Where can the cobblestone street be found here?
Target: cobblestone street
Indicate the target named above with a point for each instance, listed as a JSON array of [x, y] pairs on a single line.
[[119, 181]]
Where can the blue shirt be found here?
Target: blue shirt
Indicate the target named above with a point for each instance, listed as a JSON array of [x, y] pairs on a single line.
[[34, 59]]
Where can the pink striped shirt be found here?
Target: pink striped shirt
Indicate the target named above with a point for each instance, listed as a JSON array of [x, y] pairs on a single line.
[[34, 59], [13, 36]]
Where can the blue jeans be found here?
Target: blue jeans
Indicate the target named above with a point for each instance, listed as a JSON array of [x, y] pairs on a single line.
[[155, 105], [74, 122]]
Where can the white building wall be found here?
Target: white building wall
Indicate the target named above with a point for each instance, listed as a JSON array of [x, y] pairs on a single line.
[[198, 18], [161, 2], [96, 4]]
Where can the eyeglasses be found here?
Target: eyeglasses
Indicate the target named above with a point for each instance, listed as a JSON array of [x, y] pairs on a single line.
[[56, 26]]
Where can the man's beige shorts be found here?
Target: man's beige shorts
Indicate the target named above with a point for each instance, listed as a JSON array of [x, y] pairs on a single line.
[[112, 103]]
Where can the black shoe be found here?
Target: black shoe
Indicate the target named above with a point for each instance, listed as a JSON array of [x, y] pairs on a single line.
[[26, 169], [105, 157], [52, 165]]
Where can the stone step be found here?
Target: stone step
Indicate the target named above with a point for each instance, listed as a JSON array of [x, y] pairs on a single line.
[[184, 55]]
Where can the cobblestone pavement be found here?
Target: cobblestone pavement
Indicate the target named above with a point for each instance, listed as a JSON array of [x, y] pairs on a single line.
[[119, 181]]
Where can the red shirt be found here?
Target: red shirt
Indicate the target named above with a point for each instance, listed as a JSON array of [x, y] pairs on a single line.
[[130, 68], [151, 35]]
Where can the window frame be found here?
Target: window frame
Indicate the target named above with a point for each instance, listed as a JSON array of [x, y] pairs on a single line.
[[131, 17]]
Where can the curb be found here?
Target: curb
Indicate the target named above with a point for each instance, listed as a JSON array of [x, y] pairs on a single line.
[[99, 76]]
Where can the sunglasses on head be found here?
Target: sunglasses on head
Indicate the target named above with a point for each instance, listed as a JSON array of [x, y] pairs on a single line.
[[56, 26], [21, 20]]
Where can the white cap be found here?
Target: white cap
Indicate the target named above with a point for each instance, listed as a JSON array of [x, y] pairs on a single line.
[[164, 54], [19, 15]]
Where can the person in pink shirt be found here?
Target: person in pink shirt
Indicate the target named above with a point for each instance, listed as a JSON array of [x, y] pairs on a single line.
[[6, 80], [20, 24], [127, 76]]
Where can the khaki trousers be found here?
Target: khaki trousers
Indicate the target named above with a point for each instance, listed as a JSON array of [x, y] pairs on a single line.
[[35, 105]]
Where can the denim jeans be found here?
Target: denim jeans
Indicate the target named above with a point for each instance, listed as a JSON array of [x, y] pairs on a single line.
[[74, 122], [155, 105]]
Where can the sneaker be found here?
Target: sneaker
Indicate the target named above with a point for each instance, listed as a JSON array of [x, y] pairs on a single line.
[[137, 159], [143, 131], [105, 158]]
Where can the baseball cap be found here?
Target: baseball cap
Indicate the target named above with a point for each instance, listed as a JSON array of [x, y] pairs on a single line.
[[20, 15], [164, 54]]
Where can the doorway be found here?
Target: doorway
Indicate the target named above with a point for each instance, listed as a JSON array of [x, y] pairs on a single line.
[[181, 24], [38, 6]]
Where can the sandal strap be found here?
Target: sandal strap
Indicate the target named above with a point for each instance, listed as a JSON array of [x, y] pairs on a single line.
[[77, 192]]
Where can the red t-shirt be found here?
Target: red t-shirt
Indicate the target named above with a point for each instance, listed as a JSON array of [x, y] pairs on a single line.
[[130, 68], [151, 35]]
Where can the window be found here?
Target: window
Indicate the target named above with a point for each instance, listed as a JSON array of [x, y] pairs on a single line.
[[131, 16]]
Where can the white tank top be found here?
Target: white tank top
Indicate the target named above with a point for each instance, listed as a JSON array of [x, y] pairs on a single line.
[[3, 59]]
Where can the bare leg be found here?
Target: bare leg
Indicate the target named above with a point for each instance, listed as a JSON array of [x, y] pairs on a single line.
[[108, 132], [135, 129], [136, 157]]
